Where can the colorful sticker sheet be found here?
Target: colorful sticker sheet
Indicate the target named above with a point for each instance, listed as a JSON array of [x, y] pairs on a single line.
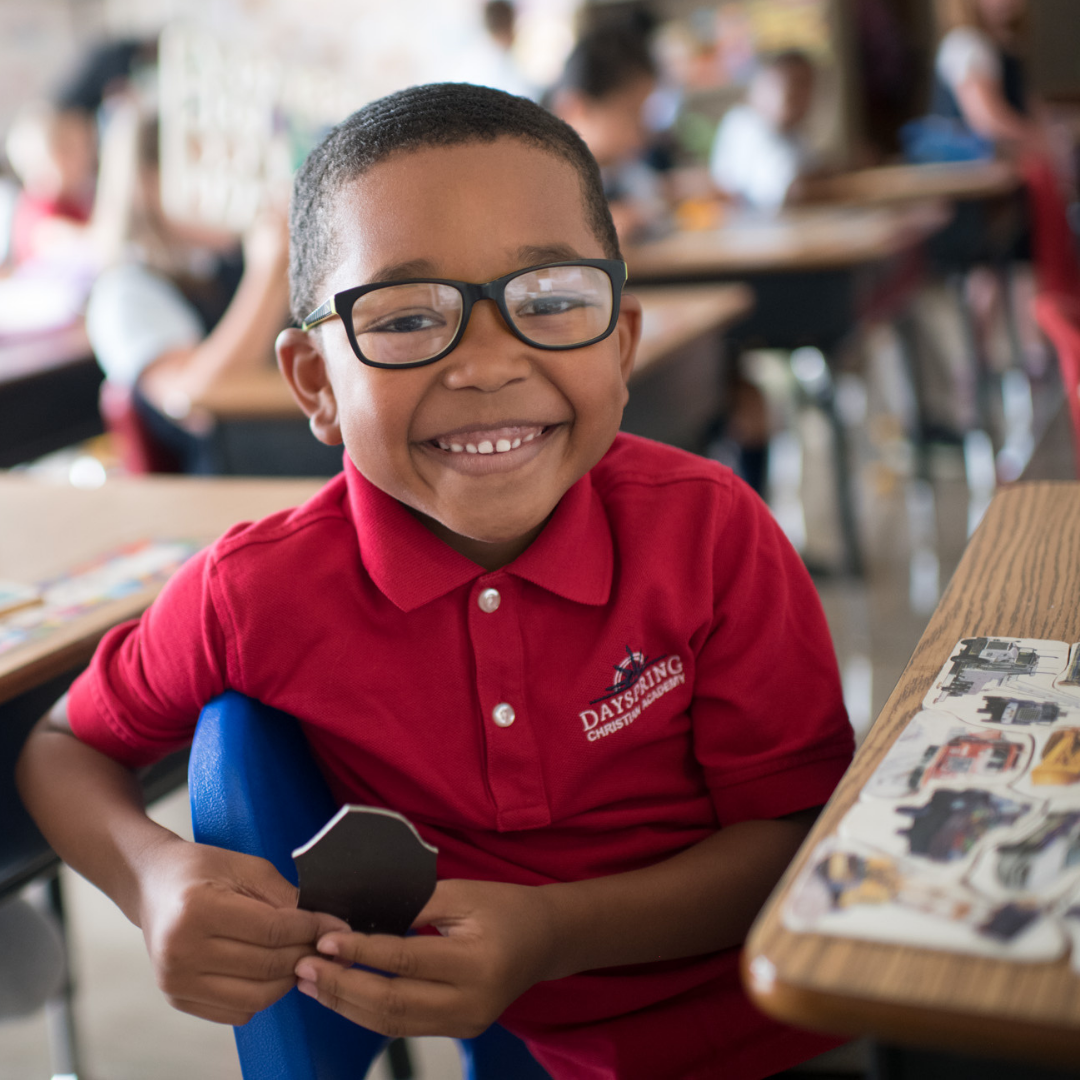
[[119, 573], [967, 835]]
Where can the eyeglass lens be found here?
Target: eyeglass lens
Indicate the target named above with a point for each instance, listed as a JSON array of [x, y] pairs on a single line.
[[556, 305]]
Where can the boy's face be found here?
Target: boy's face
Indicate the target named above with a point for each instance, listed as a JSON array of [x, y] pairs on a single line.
[[470, 213]]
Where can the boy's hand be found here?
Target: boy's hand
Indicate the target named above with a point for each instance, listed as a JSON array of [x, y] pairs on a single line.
[[496, 943], [223, 929]]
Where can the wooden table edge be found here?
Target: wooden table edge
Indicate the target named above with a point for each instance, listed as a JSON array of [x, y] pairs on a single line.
[[841, 1014], [784, 998]]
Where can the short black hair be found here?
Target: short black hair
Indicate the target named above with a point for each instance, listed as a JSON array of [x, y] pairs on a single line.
[[438, 114], [606, 60]]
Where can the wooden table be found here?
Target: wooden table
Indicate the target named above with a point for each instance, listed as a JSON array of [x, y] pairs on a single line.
[[960, 181], [48, 393], [50, 528], [1019, 576], [672, 320], [813, 238]]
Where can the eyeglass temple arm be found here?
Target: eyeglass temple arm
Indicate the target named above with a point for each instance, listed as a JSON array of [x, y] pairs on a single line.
[[320, 315]]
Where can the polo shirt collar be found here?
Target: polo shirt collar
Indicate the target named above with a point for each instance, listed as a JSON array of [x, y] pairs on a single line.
[[573, 557]]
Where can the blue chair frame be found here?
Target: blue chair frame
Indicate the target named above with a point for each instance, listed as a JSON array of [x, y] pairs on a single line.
[[255, 788]]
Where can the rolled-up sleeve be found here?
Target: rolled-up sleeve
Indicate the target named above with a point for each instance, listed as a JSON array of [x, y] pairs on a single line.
[[141, 696]]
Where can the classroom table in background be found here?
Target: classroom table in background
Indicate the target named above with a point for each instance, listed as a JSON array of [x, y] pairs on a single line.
[[53, 529], [1018, 577], [48, 393], [816, 272], [256, 423], [957, 181]]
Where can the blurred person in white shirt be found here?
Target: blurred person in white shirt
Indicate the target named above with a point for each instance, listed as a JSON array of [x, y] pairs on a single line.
[[760, 153]]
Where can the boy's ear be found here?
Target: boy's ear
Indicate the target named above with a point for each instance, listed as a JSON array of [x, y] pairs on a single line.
[[304, 368], [628, 333]]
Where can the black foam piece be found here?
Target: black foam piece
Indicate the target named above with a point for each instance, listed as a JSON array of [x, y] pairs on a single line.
[[367, 866]]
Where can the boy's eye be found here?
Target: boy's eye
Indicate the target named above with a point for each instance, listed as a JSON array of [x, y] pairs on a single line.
[[404, 322], [551, 305]]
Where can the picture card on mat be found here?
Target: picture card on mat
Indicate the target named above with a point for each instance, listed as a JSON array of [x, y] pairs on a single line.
[[850, 889], [942, 829], [1043, 864], [935, 747], [996, 664]]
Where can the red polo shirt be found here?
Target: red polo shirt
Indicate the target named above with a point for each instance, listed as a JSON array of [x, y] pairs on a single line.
[[655, 666]]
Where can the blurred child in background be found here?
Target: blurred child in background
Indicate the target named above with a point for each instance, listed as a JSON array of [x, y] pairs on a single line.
[[979, 78], [601, 94], [760, 155], [183, 306], [53, 152]]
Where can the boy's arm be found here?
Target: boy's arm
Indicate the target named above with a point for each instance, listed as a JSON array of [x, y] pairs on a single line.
[[499, 939], [222, 928]]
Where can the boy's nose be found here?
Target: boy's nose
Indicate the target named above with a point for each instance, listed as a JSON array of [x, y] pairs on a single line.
[[489, 355]]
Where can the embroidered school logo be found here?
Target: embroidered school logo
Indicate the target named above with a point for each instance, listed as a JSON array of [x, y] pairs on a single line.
[[627, 672], [639, 683]]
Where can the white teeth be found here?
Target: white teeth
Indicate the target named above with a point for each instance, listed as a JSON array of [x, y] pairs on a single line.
[[485, 446]]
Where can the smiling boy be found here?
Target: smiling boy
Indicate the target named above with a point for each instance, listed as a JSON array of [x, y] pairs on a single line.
[[589, 668]]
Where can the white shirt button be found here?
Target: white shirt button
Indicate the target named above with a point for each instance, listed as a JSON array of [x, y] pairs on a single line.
[[503, 714], [489, 600]]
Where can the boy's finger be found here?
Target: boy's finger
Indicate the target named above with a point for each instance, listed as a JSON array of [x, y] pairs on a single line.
[[242, 918], [223, 956], [215, 1013], [422, 956], [394, 1007], [227, 993]]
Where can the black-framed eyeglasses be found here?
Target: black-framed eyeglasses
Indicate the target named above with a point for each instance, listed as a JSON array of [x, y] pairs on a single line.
[[401, 324]]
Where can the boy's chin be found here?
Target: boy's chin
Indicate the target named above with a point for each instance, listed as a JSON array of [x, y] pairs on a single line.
[[486, 543]]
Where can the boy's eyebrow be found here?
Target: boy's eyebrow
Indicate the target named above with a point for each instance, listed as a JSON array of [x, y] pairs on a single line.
[[529, 255], [398, 271]]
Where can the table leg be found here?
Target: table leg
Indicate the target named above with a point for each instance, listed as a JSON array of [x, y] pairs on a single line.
[[815, 379], [60, 1009]]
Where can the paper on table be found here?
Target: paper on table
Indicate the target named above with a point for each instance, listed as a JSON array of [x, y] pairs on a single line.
[[14, 596], [967, 835], [110, 577]]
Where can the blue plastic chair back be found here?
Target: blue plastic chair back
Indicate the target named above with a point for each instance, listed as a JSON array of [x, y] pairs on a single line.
[[255, 788]]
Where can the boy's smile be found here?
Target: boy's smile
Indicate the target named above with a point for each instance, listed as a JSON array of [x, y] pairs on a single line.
[[483, 443]]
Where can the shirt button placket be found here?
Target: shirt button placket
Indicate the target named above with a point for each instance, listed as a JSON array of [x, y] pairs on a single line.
[[515, 778]]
